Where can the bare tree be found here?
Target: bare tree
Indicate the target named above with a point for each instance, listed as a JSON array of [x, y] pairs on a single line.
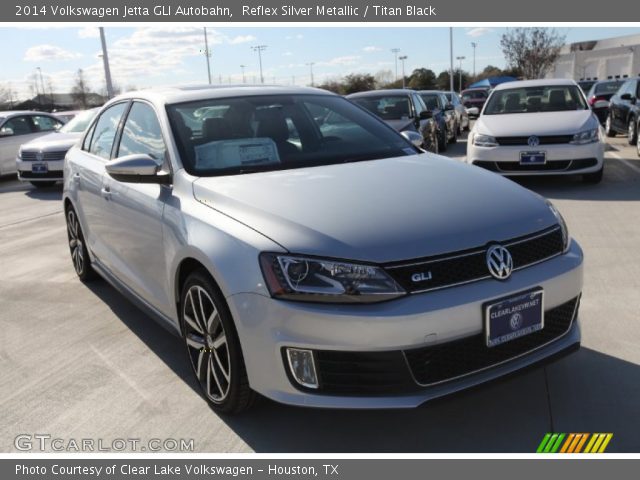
[[80, 90], [531, 51]]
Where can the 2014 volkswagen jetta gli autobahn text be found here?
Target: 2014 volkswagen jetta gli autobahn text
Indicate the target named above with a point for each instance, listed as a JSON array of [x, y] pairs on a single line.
[[306, 251]]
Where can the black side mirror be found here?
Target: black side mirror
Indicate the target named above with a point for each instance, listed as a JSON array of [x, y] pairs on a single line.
[[625, 96], [426, 114]]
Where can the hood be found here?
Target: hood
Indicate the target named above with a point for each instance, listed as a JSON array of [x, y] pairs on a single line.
[[400, 125], [540, 123], [381, 210], [55, 141]]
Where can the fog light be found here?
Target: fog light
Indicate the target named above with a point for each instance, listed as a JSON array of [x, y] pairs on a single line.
[[302, 367]]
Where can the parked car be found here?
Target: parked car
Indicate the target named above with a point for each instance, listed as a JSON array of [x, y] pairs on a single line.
[[600, 94], [586, 85], [67, 115], [461, 111], [624, 111], [541, 127], [403, 110], [18, 127], [41, 161], [349, 271], [444, 116], [473, 99]]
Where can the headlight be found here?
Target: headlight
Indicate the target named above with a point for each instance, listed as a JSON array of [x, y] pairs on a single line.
[[20, 153], [588, 136], [484, 140], [563, 226], [307, 279]]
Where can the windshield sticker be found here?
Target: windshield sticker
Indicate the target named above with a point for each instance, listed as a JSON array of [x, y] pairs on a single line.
[[223, 154]]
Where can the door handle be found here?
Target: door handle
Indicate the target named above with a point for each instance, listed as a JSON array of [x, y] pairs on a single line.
[[106, 192], [76, 177]]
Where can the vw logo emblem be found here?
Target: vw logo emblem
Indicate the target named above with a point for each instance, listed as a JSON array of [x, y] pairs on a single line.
[[533, 141], [515, 322], [500, 262], [39, 156]]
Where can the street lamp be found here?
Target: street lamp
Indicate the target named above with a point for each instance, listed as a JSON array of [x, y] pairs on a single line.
[[460, 70], [311, 64], [105, 63], [207, 54], [395, 56], [260, 49], [402, 59], [242, 67], [474, 45]]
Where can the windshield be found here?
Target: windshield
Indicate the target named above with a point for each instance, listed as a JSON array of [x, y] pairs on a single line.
[[549, 98], [474, 95], [80, 122], [392, 107], [249, 134], [608, 87]]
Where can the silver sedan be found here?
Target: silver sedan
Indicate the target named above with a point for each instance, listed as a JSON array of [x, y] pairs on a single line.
[[305, 251]]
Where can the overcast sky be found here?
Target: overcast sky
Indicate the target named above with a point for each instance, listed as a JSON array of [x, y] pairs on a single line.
[[148, 56]]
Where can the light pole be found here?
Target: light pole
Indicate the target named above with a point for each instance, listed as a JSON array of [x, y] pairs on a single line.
[[402, 59], [260, 49], [41, 85], [207, 54], [311, 64], [395, 57], [460, 70], [105, 63], [242, 67], [474, 45], [451, 58]]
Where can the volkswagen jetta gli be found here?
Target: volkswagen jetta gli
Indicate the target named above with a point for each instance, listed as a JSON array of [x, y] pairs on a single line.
[[306, 251]]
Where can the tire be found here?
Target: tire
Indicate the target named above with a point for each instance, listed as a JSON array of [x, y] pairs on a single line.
[[608, 130], [593, 178], [632, 132], [212, 345], [43, 184], [638, 140], [78, 247], [442, 140]]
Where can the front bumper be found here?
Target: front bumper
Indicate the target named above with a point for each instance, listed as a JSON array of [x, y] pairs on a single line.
[[53, 173], [266, 326], [562, 159]]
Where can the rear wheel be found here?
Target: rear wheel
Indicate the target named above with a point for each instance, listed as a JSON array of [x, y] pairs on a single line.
[[608, 130], [78, 247], [632, 132], [213, 346], [43, 184], [593, 178]]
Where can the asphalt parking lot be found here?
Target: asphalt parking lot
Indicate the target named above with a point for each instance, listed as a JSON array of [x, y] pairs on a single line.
[[82, 362]]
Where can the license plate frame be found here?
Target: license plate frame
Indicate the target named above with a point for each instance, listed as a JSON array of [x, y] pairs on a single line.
[[514, 318], [533, 157], [40, 167]]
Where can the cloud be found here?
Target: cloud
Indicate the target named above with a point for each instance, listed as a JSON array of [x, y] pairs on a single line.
[[294, 37], [41, 53], [241, 39], [89, 32], [287, 54], [478, 31], [371, 49], [341, 61]]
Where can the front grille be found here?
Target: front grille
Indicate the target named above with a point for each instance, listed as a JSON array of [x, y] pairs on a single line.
[[544, 140], [550, 166], [53, 175], [471, 265], [401, 372], [450, 360], [32, 156]]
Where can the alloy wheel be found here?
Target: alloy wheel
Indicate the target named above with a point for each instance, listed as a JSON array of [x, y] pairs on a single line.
[[75, 242], [631, 132], [207, 343]]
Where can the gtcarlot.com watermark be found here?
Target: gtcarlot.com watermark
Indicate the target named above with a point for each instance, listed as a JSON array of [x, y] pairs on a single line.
[[47, 443]]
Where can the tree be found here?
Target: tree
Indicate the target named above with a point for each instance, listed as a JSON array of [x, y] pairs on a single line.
[[422, 79], [442, 82], [80, 90], [531, 51], [383, 78], [358, 82], [333, 86]]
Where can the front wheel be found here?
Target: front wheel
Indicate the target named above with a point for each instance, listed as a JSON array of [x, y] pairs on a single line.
[[213, 346], [632, 132], [608, 130], [638, 143]]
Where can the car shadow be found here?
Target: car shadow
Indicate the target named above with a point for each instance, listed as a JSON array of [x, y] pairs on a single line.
[[48, 193], [585, 392]]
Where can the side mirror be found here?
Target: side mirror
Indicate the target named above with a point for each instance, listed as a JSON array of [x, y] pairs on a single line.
[[414, 137], [426, 114], [137, 168], [6, 132], [625, 96]]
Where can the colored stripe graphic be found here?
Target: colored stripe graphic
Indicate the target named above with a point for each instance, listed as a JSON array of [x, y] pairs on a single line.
[[574, 443]]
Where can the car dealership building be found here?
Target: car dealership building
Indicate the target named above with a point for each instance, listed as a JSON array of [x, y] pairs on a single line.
[[610, 58]]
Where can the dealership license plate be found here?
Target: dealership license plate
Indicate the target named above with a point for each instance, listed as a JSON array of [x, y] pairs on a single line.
[[514, 317], [39, 168], [533, 158]]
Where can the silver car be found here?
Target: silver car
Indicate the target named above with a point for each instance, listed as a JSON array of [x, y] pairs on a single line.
[[18, 127], [305, 251]]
